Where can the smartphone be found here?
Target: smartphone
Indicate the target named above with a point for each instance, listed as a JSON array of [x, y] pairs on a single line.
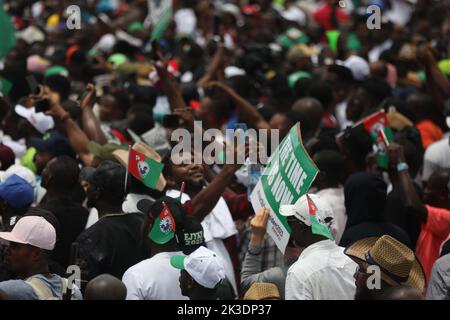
[[33, 85], [42, 105], [171, 121], [217, 24]]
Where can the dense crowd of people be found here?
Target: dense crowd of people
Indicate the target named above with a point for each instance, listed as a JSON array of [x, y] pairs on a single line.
[[77, 103]]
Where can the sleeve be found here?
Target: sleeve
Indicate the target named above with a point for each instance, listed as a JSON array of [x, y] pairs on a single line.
[[18, 290], [298, 286], [438, 221], [437, 289], [131, 281], [251, 273], [90, 257], [239, 206]]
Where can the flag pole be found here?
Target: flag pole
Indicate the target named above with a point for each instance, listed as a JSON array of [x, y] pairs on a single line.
[[126, 175]]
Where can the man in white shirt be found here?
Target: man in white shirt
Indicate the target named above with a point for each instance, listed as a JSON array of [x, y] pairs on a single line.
[[155, 278], [323, 271], [437, 157]]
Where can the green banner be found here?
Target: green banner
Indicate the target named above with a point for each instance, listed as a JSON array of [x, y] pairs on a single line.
[[288, 175]]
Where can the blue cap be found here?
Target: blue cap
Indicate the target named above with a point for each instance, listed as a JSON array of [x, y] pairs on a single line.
[[16, 192], [56, 144]]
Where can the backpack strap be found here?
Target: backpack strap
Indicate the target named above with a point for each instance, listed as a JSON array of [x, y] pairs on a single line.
[[40, 288]]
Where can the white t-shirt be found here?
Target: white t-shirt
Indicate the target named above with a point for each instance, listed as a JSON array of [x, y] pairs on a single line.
[[322, 272], [154, 279], [437, 157]]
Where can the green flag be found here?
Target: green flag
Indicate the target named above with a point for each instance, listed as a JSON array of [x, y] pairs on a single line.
[[7, 33], [144, 169], [160, 14]]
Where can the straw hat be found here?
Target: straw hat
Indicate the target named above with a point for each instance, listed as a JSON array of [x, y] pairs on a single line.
[[398, 264], [262, 291], [122, 157]]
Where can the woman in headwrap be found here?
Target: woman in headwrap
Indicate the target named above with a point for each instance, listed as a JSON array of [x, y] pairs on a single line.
[[365, 201]]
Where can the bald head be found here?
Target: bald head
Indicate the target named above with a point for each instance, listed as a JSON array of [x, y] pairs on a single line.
[[105, 287], [402, 292], [311, 110], [378, 70]]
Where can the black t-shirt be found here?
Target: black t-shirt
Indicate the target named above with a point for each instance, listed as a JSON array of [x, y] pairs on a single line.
[[72, 218], [111, 245]]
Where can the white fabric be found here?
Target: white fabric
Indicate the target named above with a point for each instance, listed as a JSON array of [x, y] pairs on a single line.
[[437, 157], [19, 147], [400, 12], [217, 225], [185, 21], [375, 53], [322, 272], [38, 120], [205, 267], [92, 218], [154, 279], [335, 197], [357, 65], [131, 200], [341, 115], [301, 210], [22, 172]]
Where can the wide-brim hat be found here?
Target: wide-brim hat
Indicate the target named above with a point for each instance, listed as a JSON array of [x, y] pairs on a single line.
[[398, 264]]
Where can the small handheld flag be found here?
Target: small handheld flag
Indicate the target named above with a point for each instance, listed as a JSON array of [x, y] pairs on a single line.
[[316, 226], [378, 126], [144, 169], [164, 227]]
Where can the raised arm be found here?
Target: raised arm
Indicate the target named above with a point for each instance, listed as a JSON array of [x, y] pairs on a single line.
[[206, 200], [169, 86], [400, 176], [77, 138], [214, 65], [91, 125], [247, 112]]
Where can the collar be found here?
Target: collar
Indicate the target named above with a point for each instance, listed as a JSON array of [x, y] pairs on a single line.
[[321, 245]]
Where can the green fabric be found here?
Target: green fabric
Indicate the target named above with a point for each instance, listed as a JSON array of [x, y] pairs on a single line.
[[56, 70], [5, 86], [287, 41], [162, 24], [353, 42], [28, 159], [293, 78], [444, 66], [117, 59], [105, 152], [135, 26], [333, 37], [422, 76], [178, 262], [7, 33]]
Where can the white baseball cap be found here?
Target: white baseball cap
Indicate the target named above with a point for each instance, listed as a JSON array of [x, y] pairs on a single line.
[[300, 210], [203, 265], [23, 172], [32, 230]]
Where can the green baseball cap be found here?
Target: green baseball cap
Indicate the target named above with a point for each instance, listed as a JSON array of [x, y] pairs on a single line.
[[117, 59], [28, 159], [135, 26], [56, 70], [293, 78]]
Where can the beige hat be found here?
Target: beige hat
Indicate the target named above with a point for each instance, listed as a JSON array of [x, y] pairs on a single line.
[[123, 155], [398, 264], [300, 51], [262, 291]]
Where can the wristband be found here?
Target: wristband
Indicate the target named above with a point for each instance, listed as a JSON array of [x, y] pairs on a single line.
[[401, 166]]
